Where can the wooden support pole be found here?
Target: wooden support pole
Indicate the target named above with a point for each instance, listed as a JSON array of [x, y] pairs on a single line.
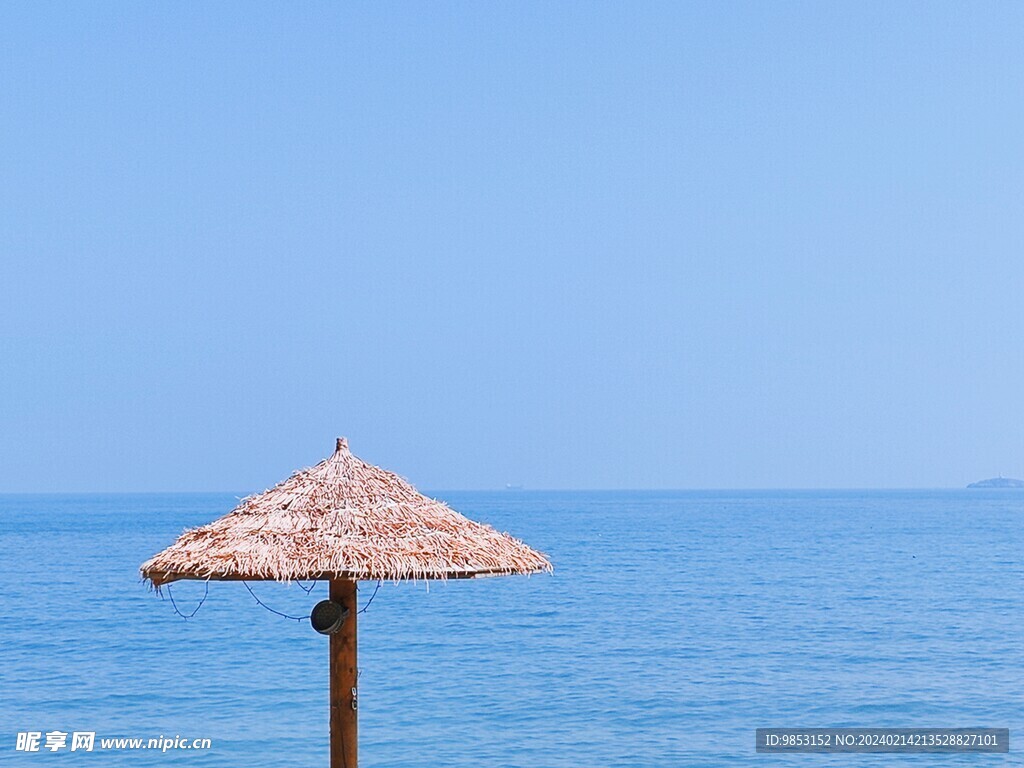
[[344, 681]]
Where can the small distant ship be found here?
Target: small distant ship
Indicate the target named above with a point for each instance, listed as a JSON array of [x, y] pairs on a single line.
[[513, 486], [998, 482]]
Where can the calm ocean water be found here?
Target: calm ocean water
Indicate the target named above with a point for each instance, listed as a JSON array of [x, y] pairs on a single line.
[[675, 624]]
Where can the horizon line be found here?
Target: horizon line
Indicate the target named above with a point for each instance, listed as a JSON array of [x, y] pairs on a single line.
[[514, 491]]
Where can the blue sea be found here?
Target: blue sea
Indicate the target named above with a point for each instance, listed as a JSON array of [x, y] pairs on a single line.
[[674, 625]]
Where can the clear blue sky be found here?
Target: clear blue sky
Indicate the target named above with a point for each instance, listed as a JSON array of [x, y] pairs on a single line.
[[569, 245]]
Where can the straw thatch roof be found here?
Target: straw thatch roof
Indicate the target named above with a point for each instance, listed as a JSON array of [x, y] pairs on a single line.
[[342, 519]]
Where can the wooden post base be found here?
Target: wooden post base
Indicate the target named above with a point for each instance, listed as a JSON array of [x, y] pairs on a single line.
[[344, 681]]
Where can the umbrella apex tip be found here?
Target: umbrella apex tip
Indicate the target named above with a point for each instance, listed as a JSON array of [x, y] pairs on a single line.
[[341, 445]]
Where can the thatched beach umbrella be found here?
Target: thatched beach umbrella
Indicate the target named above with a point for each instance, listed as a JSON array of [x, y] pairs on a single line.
[[342, 521]]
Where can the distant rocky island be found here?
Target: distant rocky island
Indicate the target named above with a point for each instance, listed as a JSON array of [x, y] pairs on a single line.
[[998, 482]]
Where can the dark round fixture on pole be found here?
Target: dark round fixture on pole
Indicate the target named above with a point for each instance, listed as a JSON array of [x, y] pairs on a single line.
[[327, 617]]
